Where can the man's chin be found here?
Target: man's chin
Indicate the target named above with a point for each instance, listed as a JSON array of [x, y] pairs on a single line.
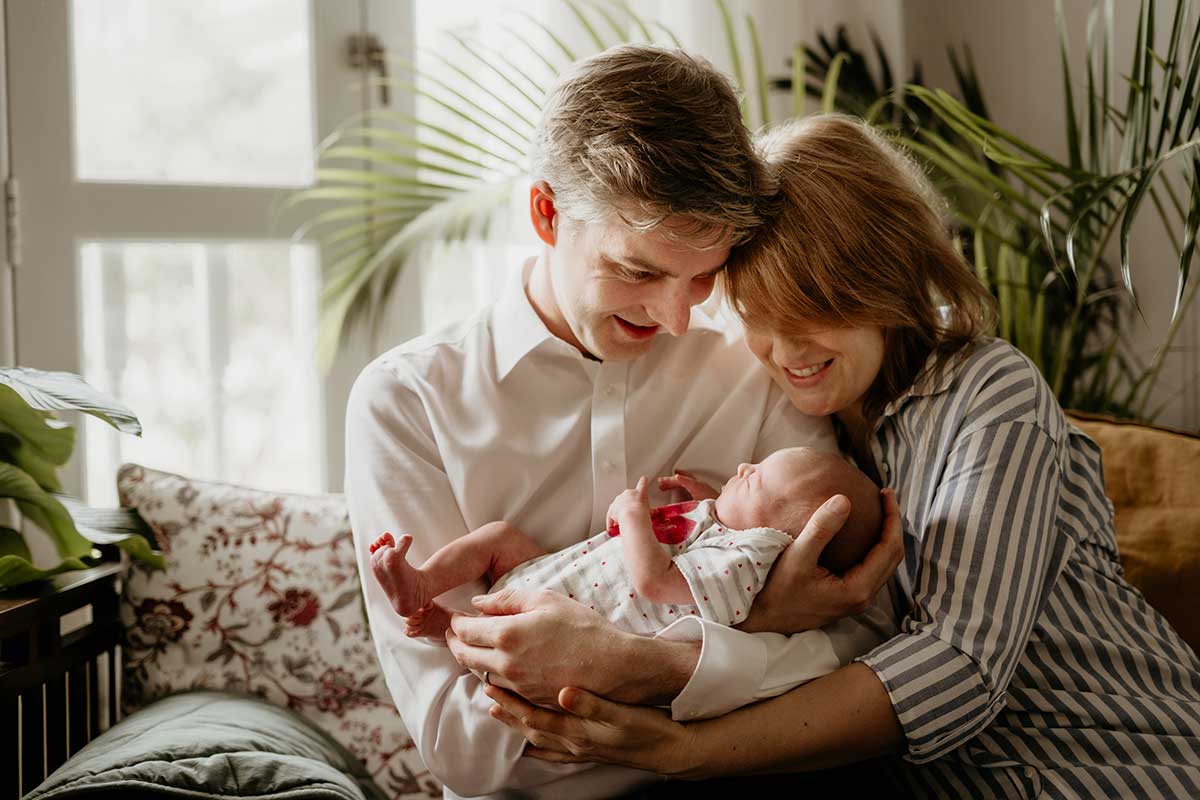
[[620, 351]]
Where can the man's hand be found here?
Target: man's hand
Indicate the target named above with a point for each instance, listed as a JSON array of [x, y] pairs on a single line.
[[537, 642], [696, 489], [801, 595], [630, 504]]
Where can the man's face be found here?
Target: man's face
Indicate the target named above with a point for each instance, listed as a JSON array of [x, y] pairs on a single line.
[[616, 288]]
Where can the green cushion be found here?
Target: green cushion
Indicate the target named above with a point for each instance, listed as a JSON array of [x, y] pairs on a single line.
[[211, 744]]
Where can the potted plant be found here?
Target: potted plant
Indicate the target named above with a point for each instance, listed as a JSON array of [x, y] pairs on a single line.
[[33, 444]]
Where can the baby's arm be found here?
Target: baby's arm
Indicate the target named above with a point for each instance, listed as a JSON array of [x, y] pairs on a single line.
[[651, 570]]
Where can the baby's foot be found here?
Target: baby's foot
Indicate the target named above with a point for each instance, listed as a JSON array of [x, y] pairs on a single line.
[[406, 587], [432, 621]]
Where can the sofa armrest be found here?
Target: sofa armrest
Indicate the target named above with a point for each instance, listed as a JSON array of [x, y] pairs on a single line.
[[1150, 475]]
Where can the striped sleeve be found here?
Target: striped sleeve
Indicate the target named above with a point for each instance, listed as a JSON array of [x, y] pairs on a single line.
[[987, 560]]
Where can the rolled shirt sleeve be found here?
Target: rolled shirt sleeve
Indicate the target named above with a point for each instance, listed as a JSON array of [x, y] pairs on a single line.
[[987, 559]]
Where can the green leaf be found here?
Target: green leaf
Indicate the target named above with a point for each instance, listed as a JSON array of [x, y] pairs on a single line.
[[25, 458], [1188, 248], [829, 98], [609, 19], [1073, 146], [51, 439], [586, 24], [562, 47], [454, 218], [65, 391], [122, 527], [16, 566], [798, 93], [670, 34], [735, 56], [760, 74], [43, 510], [476, 49], [643, 30]]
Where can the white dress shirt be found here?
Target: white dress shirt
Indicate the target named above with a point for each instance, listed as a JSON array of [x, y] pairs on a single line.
[[495, 418]]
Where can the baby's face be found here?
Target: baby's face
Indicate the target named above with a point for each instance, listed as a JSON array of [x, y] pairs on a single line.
[[758, 493]]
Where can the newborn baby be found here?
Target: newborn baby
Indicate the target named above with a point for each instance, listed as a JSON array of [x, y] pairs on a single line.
[[709, 556]]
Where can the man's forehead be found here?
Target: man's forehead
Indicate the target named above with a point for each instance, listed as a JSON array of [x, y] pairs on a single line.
[[659, 250]]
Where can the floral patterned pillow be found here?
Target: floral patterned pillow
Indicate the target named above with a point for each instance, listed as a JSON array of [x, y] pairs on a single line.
[[261, 595]]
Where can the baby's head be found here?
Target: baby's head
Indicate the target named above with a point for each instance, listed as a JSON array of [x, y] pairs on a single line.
[[784, 490]]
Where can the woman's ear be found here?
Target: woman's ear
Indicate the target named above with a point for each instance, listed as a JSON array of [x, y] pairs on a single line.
[[542, 212]]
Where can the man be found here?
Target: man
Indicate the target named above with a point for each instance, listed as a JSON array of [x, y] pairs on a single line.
[[590, 370]]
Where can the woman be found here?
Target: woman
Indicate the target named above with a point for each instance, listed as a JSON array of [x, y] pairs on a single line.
[[1025, 664]]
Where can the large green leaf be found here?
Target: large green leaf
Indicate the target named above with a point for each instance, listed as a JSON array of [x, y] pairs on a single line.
[[65, 391], [122, 527], [29, 461], [50, 439], [43, 510], [16, 566]]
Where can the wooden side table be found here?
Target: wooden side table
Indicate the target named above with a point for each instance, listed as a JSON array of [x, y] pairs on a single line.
[[50, 685]]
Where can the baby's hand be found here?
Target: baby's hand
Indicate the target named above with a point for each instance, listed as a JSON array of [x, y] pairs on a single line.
[[696, 489], [630, 501]]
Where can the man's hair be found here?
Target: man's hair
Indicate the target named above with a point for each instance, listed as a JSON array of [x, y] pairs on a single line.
[[857, 239], [649, 134]]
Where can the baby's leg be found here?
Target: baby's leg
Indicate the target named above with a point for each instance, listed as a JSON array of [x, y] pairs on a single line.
[[432, 621], [490, 551]]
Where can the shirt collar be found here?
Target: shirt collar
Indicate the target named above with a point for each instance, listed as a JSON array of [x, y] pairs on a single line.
[[930, 380], [517, 330]]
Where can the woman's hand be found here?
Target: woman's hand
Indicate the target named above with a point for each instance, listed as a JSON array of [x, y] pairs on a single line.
[[696, 489], [801, 595], [537, 642], [592, 729]]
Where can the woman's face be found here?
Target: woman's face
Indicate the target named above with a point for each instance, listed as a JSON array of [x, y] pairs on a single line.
[[823, 369]]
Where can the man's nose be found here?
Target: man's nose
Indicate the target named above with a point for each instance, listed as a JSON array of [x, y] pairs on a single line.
[[675, 309], [742, 469]]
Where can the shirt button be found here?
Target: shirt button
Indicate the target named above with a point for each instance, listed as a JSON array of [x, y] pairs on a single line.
[[608, 465], [610, 390]]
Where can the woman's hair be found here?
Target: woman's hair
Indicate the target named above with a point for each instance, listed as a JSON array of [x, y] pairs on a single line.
[[857, 239], [649, 134]]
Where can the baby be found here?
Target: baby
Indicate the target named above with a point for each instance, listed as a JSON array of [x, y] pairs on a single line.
[[709, 556]]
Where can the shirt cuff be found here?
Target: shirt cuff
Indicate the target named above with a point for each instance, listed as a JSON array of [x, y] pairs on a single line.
[[728, 675], [937, 691]]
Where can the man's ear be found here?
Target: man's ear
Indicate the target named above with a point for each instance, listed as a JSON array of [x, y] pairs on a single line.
[[542, 212]]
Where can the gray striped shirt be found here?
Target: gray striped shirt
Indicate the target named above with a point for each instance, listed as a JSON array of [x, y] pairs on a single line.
[[1026, 665]]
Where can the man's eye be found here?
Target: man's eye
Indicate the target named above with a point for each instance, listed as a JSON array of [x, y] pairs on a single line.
[[635, 276]]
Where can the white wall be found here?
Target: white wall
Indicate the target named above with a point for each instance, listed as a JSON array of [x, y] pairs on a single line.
[[1015, 45]]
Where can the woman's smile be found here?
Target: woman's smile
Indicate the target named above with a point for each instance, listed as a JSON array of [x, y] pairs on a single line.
[[805, 377]]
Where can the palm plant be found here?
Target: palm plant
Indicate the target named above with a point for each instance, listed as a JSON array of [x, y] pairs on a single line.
[[1036, 229], [1118, 159]]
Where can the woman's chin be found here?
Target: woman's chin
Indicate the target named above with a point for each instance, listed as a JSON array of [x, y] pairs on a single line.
[[814, 404]]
